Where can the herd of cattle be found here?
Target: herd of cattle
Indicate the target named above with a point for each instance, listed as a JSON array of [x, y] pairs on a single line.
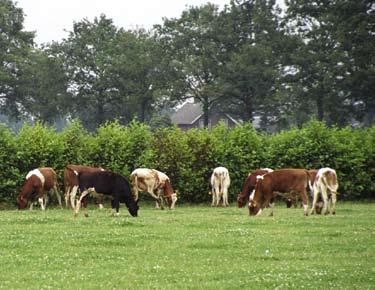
[[258, 192]]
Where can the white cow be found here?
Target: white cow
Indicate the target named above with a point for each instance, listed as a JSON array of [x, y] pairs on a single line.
[[220, 182], [156, 183], [325, 180]]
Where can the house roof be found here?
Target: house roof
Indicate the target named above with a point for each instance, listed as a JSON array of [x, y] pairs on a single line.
[[187, 114], [190, 112]]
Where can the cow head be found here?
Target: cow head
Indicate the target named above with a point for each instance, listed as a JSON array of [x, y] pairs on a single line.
[[169, 194], [241, 200], [289, 202], [255, 201], [254, 208], [21, 202], [133, 208], [28, 190]]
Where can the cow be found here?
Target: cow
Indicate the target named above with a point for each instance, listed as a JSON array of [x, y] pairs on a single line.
[[109, 183], [325, 181], [154, 182], [294, 181], [249, 185], [37, 182], [220, 182], [71, 183]]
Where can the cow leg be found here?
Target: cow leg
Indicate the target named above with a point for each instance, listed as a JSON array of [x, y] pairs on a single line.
[[67, 196], [304, 200], [315, 199], [41, 202], [325, 200], [213, 197], [115, 206], [73, 195], [272, 206], [78, 206], [159, 204], [46, 199], [58, 196], [41, 198], [225, 197], [31, 205], [101, 201]]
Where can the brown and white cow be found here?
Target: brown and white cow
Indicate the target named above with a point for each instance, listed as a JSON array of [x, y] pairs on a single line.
[[294, 181], [71, 182], [156, 183], [249, 185], [325, 181], [37, 183], [220, 182]]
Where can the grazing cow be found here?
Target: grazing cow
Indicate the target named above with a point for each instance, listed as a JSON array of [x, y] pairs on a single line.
[[108, 183], [156, 183], [37, 182], [220, 182], [71, 183], [325, 180], [249, 185], [293, 181]]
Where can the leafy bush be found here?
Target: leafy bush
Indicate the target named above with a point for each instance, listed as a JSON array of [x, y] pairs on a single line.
[[9, 172], [189, 158]]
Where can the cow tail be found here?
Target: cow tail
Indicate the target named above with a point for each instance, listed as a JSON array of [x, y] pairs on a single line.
[[135, 186], [309, 181], [331, 187]]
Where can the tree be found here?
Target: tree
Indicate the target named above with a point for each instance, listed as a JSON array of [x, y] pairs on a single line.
[[191, 44], [333, 69], [111, 72], [137, 73], [43, 86], [15, 45]]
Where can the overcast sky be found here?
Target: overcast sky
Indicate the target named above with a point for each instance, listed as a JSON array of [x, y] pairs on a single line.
[[50, 18]]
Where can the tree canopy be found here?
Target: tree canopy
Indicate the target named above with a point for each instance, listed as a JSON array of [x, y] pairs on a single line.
[[314, 59]]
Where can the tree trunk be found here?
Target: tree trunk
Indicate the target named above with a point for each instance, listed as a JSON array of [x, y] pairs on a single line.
[[206, 113], [142, 111], [248, 110], [320, 108], [100, 110]]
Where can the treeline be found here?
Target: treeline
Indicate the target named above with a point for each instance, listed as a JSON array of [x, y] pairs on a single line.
[[189, 158], [314, 60]]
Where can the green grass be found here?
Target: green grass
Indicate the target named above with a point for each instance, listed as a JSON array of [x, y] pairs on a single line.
[[195, 247]]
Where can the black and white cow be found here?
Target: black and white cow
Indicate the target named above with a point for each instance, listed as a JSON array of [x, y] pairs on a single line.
[[108, 183]]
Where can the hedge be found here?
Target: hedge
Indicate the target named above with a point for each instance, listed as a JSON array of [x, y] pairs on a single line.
[[188, 158]]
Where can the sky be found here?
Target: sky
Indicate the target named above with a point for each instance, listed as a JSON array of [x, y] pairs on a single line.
[[50, 19]]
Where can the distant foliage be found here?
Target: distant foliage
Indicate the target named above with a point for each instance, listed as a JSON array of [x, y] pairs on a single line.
[[189, 158]]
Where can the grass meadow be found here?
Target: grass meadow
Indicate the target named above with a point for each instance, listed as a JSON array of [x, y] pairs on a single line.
[[192, 247]]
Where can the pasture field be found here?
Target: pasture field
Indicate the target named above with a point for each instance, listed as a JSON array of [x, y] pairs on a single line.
[[192, 247]]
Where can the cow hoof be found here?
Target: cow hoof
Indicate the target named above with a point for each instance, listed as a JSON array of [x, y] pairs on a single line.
[[334, 213], [86, 215]]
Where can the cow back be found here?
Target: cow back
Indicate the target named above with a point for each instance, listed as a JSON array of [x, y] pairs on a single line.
[[72, 171], [50, 177], [285, 180]]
